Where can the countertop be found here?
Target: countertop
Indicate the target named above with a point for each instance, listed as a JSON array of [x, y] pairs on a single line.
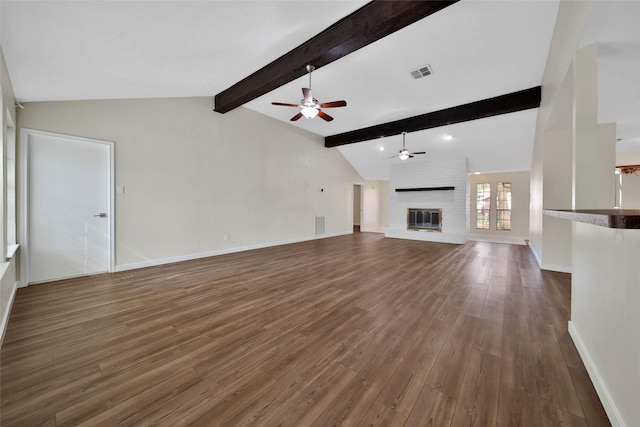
[[610, 218]]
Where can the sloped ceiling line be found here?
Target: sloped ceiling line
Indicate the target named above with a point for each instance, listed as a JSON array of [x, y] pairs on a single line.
[[504, 104], [366, 25]]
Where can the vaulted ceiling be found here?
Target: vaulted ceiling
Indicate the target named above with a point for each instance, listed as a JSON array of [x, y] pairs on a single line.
[[69, 50]]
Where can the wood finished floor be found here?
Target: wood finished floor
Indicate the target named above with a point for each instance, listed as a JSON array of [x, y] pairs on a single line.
[[356, 330]]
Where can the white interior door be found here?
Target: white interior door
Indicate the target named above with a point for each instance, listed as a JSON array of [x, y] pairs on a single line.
[[69, 206]]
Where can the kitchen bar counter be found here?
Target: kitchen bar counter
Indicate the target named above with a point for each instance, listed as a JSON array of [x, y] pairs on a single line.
[[610, 218]]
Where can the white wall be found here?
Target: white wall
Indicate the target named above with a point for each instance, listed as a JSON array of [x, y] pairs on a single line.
[[604, 312], [191, 176], [8, 269], [375, 206], [557, 98], [628, 158], [630, 191], [605, 294], [606, 166], [630, 183], [519, 207], [431, 172]]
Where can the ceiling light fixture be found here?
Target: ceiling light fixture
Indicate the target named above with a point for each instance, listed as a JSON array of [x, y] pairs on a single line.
[[404, 153], [381, 148], [448, 137], [309, 112]]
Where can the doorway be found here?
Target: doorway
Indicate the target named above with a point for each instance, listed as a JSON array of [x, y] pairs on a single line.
[[357, 207], [67, 206]]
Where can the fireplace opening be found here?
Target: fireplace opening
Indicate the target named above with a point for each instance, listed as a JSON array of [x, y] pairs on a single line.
[[424, 219]]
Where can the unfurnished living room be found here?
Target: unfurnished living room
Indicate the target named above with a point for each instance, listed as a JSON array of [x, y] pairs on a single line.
[[319, 213]]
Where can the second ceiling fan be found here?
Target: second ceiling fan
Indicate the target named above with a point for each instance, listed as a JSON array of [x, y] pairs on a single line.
[[405, 154], [309, 106]]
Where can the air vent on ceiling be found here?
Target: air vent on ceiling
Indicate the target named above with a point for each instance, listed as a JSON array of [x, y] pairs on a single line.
[[421, 72]]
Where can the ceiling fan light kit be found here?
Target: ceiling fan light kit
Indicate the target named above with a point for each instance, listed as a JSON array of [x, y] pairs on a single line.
[[309, 106], [309, 112]]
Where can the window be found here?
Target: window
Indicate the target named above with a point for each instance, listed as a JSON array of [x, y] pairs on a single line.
[[503, 206], [483, 205]]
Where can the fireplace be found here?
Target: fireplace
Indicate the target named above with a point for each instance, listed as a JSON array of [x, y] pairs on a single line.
[[424, 219]]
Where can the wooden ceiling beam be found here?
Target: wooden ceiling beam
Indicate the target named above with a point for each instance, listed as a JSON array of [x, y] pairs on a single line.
[[366, 25], [504, 104]]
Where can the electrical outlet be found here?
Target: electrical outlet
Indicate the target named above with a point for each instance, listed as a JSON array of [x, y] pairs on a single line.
[[227, 237]]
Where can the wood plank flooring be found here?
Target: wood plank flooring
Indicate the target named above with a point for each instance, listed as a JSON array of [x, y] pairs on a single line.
[[356, 330]]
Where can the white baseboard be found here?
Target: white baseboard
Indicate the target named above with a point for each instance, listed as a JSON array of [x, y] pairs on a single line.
[[372, 230], [558, 268], [550, 267], [7, 312], [535, 255], [154, 262], [512, 240], [601, 389]]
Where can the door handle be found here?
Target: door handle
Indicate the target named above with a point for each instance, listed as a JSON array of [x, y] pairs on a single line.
[[101, 215]]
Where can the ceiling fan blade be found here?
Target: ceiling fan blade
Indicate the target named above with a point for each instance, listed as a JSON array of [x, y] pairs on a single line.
[[307, 95], [284, 104], [324, 116], [296, 117], [333, 104], [418, 152], [395, 155]]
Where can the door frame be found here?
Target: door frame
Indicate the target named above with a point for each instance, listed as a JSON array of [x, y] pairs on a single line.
[[23, 196]]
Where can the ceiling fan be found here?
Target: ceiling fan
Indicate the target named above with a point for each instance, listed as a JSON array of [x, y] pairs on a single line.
[[309, 106], [405, 154]]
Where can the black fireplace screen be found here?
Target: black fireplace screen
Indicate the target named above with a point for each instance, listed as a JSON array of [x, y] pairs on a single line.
[[424, 219]]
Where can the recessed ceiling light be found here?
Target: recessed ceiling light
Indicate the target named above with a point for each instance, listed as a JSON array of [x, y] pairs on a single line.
[[381, 148], [447, 137]]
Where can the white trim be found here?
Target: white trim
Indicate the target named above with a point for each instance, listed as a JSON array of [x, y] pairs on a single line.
[[23, 197], [372, 230], [112, 206], [550, 267], [360, 220], [512, 240], [601, 389], [7, 311], [558, 268], [535, 255], [11, 250], [155, 262]]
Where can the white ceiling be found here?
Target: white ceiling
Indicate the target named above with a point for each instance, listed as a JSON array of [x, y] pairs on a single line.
[[67, 50]]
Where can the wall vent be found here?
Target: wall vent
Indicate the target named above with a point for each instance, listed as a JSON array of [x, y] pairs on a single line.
[[421, 72], [319, 225]]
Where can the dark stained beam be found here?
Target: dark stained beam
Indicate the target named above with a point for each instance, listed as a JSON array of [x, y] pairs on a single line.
[[504, 104], [366, 25]]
